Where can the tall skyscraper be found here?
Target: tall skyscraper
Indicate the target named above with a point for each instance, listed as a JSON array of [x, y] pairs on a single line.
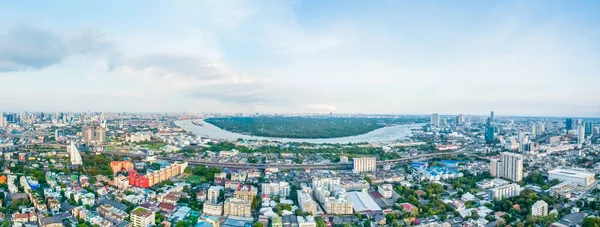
[[589, 128], [533, 130], [510, 166], [540, 128], [569, 124], [94, 134], [581, 134], [492, 116], [364, 164], [434, 120]]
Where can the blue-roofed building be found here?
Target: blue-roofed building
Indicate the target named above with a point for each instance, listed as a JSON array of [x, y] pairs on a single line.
[[436, 173]]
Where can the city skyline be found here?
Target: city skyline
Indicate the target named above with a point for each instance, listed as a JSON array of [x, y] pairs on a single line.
[[518, 58]]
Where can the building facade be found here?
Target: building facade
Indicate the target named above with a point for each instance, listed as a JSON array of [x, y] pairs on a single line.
[[539, 208], [572, 176], [504, 191], [364, 164], [142, 217]]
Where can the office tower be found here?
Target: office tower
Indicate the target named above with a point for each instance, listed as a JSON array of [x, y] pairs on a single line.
[[142, 217], [434, 120], [569, 124], [460, 119], [581, 134], [539, 208], [489, 133], [364, 164], [511, 166], [74, 154], [533, 130], [589, 128]]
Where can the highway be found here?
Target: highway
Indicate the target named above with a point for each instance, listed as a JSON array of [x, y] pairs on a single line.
[[292, 166]]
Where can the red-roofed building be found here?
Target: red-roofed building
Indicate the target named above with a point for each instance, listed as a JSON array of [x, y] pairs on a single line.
[[409, 207]]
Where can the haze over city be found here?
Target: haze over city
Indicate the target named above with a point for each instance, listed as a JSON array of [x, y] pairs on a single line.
[[533, 58]]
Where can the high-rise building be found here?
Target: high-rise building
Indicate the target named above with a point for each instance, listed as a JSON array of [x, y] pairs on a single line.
[[539, 208], [510, 166], [494, 166], [74, 154], [540, 128], [3, 121], [460, 119], [581, 134], [589, 128], [434, 120], [569, 124], [94, 134], [533, 130], [364, 164], [489, 133], [142, 217]]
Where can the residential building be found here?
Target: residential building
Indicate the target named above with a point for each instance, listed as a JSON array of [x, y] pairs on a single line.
[[364, 164], [74, 154], [246, 193], [510, 166], [385, 190], [142, 217], [237, 207], [539, 208], [306, 202], [276, 189], [434, 120], [504, 191]]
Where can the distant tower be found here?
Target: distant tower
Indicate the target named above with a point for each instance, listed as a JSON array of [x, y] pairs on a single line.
[[569, 124], [74, 154], [434, 120], [581, 134]]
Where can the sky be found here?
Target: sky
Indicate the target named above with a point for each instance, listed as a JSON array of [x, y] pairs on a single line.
[[527, 58]]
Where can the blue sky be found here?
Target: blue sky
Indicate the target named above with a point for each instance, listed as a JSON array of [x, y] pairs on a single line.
[[404, 57]]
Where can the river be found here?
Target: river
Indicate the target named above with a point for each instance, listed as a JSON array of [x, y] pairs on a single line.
[[385, 134]]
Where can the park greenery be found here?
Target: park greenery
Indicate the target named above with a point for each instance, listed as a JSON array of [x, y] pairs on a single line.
[[307, 127]]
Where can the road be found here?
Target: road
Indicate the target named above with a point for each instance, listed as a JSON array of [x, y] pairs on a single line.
[[294, 166]]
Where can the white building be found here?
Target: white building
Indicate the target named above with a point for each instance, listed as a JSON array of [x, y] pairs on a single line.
[[581, 134], [309, 221], [504, 191], [539, 208], [385, 190], [142, 217], [74, 155], [364, 164], [212, 195], [575, 177], [434, 120], [276, 189], [510, 166], [306, 203]]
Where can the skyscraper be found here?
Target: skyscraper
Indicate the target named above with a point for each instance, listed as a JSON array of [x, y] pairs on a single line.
[[533, 130], [492, 116], [581, 134], [589, 128], [460, 119], [434, 120], [510, 166], [569, 124], [3, 121]]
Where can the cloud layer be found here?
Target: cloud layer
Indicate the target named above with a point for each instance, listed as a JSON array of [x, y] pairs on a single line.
[[279, 56]]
